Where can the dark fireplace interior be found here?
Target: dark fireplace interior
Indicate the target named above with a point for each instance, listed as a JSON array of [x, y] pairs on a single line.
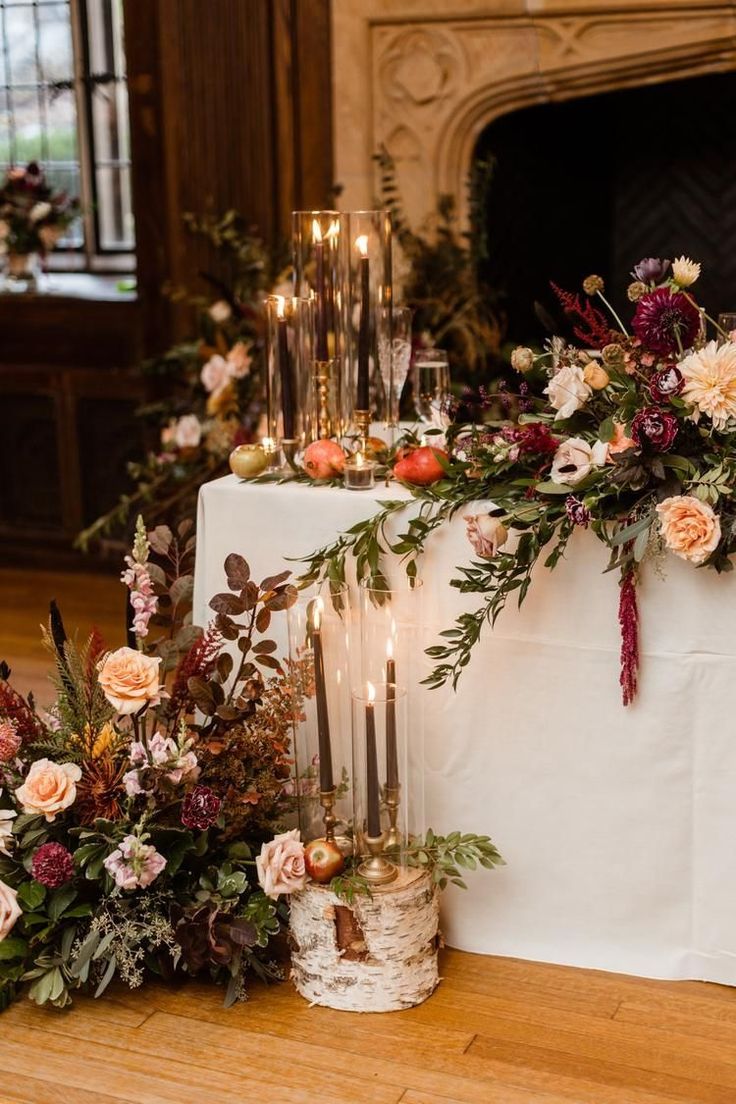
[[595, 184]]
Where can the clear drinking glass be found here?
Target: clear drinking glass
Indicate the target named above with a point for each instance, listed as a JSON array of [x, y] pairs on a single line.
[[431, 384], [394, 358], [727, 323]]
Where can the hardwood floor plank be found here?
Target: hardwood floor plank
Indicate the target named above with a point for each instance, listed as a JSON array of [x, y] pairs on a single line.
[[31, 1090]]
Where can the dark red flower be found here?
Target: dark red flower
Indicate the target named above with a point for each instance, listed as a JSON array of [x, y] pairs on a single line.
[[577, 512], [666, 322], [52, 865], [654, 427], [534, 438], [200, 808], [666, 383], [628, 619]]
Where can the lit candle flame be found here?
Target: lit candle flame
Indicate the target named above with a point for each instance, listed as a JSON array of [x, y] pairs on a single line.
[[268, 443], [361, 244], [280, 305], [371, 692], [316, 231], [389, 648], [333, 230], [359, 460], [317, 607]]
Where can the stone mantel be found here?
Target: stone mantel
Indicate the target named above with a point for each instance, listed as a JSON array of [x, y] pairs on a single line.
[[424, 77]]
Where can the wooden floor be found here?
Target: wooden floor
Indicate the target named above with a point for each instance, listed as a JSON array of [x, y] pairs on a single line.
[[497, 1031]]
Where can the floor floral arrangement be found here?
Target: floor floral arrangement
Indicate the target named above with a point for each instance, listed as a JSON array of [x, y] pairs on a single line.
[[631, 433]]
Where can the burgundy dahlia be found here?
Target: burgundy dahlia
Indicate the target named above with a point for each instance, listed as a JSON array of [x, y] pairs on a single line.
[[52, 865], [666, 322], [200, 808], [651, 270], [577, 513], [666, 384], [654, 427]]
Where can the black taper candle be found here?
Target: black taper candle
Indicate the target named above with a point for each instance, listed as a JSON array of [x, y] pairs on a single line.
[[319, 258], [287, 390], [323, 715], [372, 796], [363, 394], [392, 757]]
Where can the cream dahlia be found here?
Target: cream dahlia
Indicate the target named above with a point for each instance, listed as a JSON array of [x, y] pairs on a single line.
[[710, 382], [685, 272]]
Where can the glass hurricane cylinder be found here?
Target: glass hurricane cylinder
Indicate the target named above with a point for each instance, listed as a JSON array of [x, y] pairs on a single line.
[[382, 785], [319, 244], [290, 391], [369, 318], [319, 657], [392, 643]]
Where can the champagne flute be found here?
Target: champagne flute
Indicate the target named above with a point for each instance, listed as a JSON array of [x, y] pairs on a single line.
[[431, 382], [394, 356]]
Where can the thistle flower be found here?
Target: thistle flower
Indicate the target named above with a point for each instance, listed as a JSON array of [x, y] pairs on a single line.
[[635, 291], [593, 284], [52, 865], [666, 322], [684, 271]]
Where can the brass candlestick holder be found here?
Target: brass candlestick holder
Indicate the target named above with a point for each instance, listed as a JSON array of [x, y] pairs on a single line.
[[327, 801], [362, 420], [378, 870], [325, 375], [391, 796]]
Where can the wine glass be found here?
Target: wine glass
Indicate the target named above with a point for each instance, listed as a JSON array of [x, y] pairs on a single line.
[[727, 324], [431, 382], [394, 357]]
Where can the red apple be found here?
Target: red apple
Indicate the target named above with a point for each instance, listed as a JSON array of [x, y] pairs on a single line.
[[323, 860], [421, 467], [323, 459]]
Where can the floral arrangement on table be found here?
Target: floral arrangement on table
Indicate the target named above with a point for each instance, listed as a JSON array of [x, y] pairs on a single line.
[[631, 434], [131, 812], [211, 387], [32, 215]]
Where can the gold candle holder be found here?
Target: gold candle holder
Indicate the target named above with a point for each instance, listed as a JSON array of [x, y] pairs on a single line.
[[325, 374], [327, 801], [378, 870], [391, 797], [362, 420]]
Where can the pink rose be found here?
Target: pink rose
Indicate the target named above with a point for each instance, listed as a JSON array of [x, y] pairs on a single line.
[[187, 432], [691, 528], [49, 788], [129, 680], [486, 534], [280, 864], [10, 910], [215, 374]]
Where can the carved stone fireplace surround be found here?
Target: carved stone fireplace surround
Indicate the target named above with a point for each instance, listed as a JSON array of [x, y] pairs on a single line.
[[425, 77]]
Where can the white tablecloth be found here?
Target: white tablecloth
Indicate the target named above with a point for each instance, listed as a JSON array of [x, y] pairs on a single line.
[[618, 825]]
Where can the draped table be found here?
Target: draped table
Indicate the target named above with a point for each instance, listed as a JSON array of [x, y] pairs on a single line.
[[618, 825]]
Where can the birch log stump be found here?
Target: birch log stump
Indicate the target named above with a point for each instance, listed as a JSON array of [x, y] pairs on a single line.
[[378, 954]]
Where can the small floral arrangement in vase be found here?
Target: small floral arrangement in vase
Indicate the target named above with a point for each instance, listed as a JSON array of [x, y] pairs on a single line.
[[32, 219]]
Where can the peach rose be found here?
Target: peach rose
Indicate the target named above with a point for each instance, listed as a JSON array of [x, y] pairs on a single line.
[[10, 910], [280, 864], [691, 528], [619, 442], [129, 679], [49, 788]]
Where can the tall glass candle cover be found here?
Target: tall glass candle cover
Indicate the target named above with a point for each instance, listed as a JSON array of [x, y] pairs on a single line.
[[319, 243], [370, 296], [290, 394], [319, 655], [381, 768], [392, 643]]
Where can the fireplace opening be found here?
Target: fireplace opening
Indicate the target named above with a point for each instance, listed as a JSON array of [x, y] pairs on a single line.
[[593, 185]]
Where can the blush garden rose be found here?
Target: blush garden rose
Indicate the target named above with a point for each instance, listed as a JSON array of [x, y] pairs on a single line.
[[130, 680], [49, 788], [690, 528]]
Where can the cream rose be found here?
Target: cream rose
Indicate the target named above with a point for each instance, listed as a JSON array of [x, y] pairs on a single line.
[[575, 459], [280, 864], [486, 534], [690, 528], [129, 680], [49, 788], [10, 910], [568, 391]]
